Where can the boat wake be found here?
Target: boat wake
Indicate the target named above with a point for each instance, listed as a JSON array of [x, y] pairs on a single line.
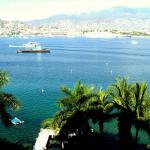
[[15, 46]]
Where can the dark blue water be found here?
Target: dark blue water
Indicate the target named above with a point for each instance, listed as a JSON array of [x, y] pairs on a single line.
[[93, 61]]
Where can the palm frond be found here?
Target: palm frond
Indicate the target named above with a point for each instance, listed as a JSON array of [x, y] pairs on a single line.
[[9, 100], [48, 123], [66, 90], [4, 78], [109, 107]]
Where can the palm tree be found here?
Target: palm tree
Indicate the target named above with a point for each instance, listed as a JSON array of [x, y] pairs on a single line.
[[120, 92], [141, 112], [101, 108], [7, 100], [133, 103], [72, 114]]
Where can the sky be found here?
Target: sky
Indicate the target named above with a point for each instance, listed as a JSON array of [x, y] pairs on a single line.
[[36, 9]]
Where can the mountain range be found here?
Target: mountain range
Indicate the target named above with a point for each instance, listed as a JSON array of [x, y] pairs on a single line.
[[114, 13], [116, 20]]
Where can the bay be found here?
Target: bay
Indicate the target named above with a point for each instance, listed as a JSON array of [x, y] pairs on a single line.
[[36, 78]]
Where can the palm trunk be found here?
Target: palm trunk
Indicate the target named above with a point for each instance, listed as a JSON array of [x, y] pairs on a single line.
[[136, 136], [101, 126], [125, 132]]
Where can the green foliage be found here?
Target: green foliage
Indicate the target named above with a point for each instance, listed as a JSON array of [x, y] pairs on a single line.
[[100, 108], [76, 98], [131, 102], [48, 123], [7, 100], [4, 78], [73, 106]]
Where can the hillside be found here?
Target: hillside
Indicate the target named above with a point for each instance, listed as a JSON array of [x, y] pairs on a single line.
[[122, 20], [114, 13]]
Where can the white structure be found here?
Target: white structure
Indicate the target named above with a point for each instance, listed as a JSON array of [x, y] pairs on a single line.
[[42, 139]]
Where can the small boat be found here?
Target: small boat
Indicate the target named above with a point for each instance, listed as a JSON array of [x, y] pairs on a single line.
[[34, 51], [33, 47], [16, 121]]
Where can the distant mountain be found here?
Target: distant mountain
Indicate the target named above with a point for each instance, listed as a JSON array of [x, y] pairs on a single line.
[[108, 14], [116, 20]]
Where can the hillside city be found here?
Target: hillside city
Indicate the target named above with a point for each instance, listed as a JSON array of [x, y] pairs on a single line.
[[116, 27]]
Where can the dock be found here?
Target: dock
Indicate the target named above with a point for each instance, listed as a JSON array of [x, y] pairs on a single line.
[[42, 139]]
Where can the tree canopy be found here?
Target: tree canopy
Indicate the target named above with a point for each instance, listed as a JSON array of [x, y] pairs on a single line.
[[7, 100], [129, 103]]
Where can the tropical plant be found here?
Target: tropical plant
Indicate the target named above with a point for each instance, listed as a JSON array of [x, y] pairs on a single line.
[[128, 102], [72, 114], [101, 108], [133, 103], [120, 92], [7, 101], [48, 123], [141, 99]]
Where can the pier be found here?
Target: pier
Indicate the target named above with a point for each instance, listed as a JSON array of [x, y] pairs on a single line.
[[42, 139]]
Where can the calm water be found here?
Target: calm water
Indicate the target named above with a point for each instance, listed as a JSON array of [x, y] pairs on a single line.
[[94, 61]]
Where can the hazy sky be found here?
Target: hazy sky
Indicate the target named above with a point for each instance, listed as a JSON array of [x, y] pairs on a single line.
[[35, 9]]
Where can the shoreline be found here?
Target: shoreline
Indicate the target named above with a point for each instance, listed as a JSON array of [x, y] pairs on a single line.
[[107, 35]]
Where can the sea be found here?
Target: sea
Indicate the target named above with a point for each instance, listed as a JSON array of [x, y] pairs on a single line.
[[36, 78]]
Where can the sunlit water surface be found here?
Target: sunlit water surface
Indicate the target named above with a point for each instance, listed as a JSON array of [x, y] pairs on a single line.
[[36, 78]]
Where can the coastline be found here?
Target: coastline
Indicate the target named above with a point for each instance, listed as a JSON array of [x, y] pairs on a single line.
[[94, 34], [106, 35]]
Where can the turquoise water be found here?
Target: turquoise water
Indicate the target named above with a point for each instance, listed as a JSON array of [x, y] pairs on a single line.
[[93, 61]]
